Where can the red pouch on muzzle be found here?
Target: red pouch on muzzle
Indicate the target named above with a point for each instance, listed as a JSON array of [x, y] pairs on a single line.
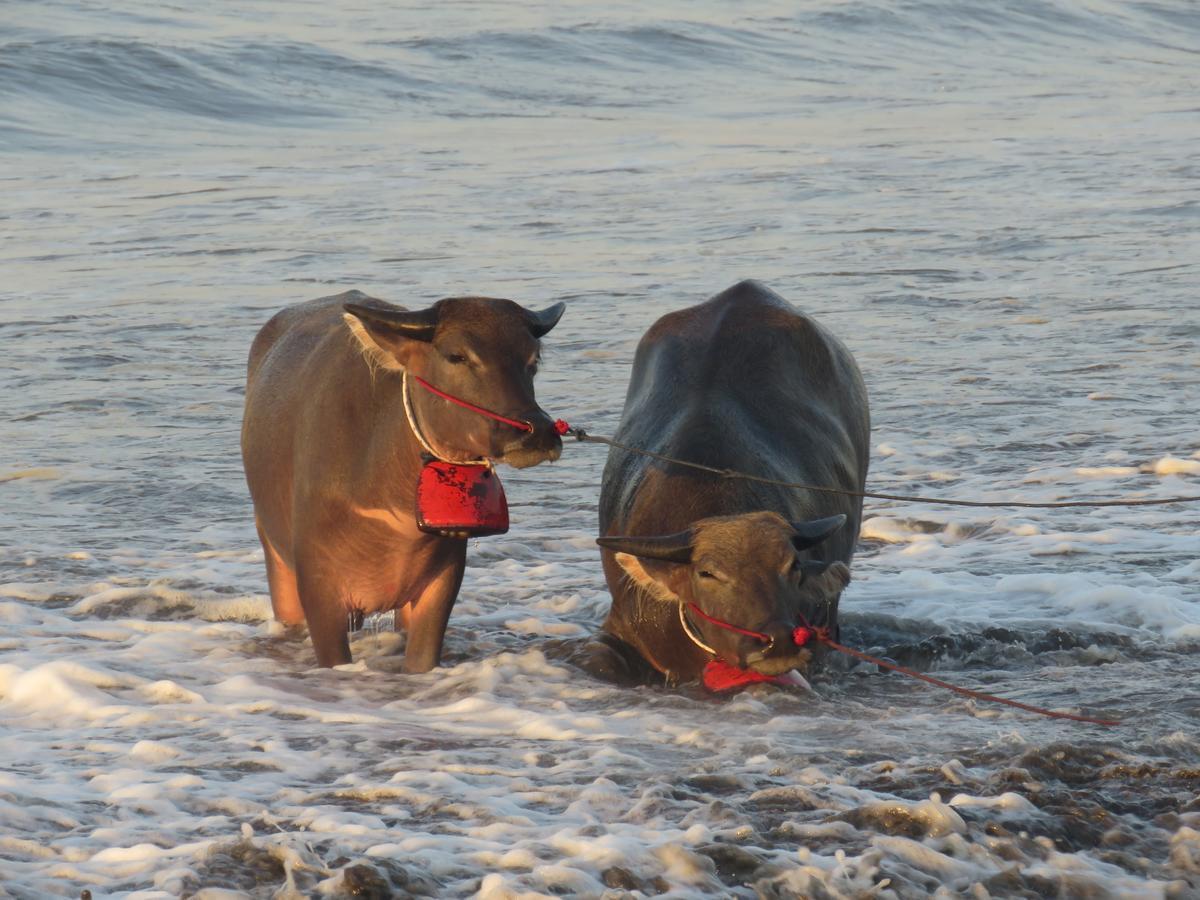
[[460, 499]]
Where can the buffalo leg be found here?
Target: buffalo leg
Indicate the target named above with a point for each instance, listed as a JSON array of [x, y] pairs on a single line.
[[327, 617], [285, 598], [610, 659], [427, 618]]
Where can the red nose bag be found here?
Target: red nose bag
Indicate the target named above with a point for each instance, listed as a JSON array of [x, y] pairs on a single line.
[[461, 500]]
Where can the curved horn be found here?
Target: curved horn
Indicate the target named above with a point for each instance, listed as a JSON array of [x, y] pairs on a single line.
[[542, 322], [417, 324], [812, 532], [668, 547]]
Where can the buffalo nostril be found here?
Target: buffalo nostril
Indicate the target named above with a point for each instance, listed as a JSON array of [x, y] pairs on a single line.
[[541, 430], [763, 650]]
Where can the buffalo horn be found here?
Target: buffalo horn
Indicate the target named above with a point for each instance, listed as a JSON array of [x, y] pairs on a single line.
[[541, 322], [812, 532], [668, 547], [417, 324]]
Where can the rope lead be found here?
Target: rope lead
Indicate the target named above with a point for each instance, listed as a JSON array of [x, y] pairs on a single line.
[[580, 435]]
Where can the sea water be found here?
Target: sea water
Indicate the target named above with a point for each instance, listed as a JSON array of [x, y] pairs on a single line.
[[993, 205]]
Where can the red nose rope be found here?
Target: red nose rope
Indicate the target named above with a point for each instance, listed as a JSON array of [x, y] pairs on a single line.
[[486, 413], [720, 675]]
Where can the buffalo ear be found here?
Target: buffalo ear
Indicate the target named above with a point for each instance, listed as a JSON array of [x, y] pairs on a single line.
[[658, 580], [837, 570], [813, 568], [383, 331], [812, 532], [540, 323], [675, 548], [657, 565], [418, 324], [841, 572]]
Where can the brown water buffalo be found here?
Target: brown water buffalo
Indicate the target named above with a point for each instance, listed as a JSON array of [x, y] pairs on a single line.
[[743, 382], [332, 461]]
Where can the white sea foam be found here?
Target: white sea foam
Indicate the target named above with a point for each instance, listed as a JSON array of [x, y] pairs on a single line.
[[1170, 465]]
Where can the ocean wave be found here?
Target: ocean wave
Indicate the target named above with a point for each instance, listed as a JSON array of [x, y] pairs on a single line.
[[668, 63], [92, 74]]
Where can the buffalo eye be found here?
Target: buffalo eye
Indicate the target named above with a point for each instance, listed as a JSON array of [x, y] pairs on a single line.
[[456, 359], [704, 573]]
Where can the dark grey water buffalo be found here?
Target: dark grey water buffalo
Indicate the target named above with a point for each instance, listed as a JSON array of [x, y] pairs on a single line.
[[742, 382], [332, 461]]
